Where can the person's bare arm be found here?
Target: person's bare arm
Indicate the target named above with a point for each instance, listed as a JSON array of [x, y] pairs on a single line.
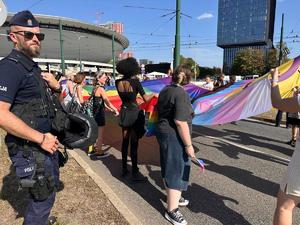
[[15, 126], [79, 94], [287, 104], [184, 133], [148, 97], [108, 104]]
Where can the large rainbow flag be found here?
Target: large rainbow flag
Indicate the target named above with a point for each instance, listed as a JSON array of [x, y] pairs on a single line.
[[235, 102], [245, 99]]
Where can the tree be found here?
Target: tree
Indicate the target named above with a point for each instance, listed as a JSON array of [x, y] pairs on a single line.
[[204, 71], [249, 61], [272, 59], [191, 64]]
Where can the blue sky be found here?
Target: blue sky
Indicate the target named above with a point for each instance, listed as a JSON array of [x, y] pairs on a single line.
[[151, 32]]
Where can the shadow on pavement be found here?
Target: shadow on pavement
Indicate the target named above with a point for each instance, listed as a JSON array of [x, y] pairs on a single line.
[[146, 190], [18, 199], [245, 139], [209, 203], [251, 139], [244, 177], [233, 152]]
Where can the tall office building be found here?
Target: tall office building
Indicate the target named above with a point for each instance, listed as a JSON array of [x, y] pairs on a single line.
[[244, 24]]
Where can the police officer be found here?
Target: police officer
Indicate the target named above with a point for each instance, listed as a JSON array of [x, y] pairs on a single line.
[[25, 115]]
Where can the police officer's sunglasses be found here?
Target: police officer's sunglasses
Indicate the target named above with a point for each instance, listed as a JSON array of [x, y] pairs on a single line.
[[29, 35]]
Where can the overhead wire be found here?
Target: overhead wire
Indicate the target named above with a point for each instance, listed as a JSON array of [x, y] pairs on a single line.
[[35, 4]]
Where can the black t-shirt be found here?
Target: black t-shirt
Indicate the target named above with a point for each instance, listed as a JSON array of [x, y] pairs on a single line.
[[127, 96], [19, 83], [173, 103]]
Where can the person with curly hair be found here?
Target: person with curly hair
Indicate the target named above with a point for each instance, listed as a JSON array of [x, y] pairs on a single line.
[[128, 88]]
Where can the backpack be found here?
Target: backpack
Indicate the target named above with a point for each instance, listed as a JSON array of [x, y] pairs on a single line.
[[88, 106], [73, 106]]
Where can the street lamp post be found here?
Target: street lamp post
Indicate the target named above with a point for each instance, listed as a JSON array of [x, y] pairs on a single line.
[[79, 51]]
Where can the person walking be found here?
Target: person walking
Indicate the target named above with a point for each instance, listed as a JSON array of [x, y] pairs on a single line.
[[100, 102], [131, 119], [25, 116], [173, 133], [289, 193]]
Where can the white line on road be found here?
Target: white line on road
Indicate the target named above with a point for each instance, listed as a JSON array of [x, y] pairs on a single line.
[[243, 147]]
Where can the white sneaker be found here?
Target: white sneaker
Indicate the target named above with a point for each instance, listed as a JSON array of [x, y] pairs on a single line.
[[175, 217], [183, 202]]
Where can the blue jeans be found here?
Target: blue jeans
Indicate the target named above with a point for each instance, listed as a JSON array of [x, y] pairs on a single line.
[[175, 163]]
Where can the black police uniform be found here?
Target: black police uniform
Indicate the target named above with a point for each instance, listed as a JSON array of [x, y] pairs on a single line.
[[20, 84]]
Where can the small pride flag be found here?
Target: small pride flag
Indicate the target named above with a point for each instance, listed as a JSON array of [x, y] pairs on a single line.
[[201, 164]]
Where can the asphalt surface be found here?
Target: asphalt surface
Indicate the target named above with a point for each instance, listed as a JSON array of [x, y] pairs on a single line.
[[244, 164]]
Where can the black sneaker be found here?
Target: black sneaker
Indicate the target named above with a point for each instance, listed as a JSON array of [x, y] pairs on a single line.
[[175, 217], [293, 143], [101, 156], [183, 202]]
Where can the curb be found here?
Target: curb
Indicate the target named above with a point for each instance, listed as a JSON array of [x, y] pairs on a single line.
[[109, 193]]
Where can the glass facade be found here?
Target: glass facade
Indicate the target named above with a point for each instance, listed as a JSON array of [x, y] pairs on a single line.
[[244, 23]]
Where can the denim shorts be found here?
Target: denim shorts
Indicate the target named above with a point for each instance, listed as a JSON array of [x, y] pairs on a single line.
[[175, 163]]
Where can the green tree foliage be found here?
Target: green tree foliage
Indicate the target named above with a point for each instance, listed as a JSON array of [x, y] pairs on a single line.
[[272, 59], [204, 71], [253, 61], [201, 72], [249, 61], [191, 64]]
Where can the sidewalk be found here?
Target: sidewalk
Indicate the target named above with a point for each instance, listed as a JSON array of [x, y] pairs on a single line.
[[139, 203]]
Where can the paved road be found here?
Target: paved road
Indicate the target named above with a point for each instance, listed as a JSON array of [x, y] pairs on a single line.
[[244, 164]]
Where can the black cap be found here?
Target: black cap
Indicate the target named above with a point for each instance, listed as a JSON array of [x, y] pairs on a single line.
[[24, 19]]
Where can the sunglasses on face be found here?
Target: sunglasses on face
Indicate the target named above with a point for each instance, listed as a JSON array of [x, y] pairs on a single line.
[[29, 35]]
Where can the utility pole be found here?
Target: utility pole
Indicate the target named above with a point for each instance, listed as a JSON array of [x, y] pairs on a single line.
[[62, 54], [113, 55], [177, 37], [281, 41]]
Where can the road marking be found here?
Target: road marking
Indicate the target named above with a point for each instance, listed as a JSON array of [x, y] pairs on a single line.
[[243, 147]]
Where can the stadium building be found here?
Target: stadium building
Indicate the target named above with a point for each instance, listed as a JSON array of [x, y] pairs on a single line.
[[84, 43]]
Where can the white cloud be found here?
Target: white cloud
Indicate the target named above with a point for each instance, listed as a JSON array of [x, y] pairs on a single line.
[[205, 16]]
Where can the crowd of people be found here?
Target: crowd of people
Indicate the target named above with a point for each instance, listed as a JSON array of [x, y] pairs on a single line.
[[26, 115], [220, 82]]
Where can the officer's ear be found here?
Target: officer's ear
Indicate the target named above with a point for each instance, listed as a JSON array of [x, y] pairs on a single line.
[[12, 37]]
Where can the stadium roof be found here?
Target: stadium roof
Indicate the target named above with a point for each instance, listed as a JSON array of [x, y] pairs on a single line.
[[81, 40]]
